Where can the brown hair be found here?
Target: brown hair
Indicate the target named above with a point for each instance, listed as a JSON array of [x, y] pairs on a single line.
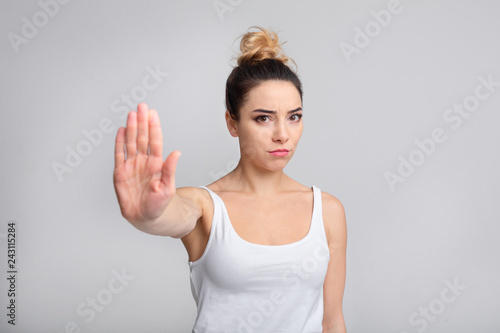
[[261, 59]]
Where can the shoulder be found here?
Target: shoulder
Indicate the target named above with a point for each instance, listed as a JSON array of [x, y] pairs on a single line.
[[198, 195], [331, 203], [203, 200], [334, 219]]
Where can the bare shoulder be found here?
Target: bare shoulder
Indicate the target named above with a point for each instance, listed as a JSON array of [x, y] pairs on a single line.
[[197, 198], [334, 219], [198, 195], [331, 203], [198, 236]]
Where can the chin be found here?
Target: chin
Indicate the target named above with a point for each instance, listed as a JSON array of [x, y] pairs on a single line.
[[278, 165]]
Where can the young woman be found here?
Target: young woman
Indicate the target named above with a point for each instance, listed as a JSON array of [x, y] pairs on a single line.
[[266, 253]]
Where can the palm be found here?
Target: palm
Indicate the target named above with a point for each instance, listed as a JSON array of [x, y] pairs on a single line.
[[144, 184]]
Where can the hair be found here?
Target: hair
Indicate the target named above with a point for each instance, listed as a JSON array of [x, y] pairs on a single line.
[[261, 59]]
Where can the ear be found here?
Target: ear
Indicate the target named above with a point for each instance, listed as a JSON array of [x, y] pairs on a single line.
[[231, 125]]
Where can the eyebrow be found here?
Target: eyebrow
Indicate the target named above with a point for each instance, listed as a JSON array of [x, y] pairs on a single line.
[[273, 112]]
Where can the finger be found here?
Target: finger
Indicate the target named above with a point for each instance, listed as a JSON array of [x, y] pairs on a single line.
[[168, 170], [120, 147], [131, 135], [155, 135], [142, 129]]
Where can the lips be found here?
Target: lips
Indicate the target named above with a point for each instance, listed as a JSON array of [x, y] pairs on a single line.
[[279, 150]]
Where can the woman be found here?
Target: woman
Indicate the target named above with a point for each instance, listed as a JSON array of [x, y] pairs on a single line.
[[266, 254]]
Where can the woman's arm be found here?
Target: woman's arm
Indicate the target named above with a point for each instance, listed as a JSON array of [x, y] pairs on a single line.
[[145, 184], [333, 288]]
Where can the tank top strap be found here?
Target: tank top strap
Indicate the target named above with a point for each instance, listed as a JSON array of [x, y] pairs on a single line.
[[215, 198], [221, 226], [317, 204], [217, 229], [216, 203], [318, 222]]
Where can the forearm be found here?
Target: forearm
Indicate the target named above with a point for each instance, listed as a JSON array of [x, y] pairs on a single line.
[[337, 327], [177, 219]]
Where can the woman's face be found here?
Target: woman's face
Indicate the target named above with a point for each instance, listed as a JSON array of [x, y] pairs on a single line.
[[270, 119]]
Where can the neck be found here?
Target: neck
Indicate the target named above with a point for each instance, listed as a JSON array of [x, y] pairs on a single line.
[[248, 177]]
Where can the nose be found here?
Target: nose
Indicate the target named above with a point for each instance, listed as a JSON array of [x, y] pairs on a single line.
[[280, 133]]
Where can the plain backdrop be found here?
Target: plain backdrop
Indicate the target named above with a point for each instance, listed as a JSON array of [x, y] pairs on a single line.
[[400, 124]]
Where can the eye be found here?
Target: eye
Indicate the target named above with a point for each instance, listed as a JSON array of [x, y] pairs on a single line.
[[261, 117], [297, 115]]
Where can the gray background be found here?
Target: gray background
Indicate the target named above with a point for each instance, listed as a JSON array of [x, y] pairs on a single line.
[[360, 116]]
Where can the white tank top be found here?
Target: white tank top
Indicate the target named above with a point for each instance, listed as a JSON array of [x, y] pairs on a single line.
[[243, 287]]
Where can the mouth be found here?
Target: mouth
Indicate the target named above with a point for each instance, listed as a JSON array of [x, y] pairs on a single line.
[[279, 152]]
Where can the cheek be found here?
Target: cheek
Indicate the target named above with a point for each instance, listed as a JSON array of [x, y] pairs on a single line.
[[300, 133], [256, 133], [296, 131], [253, 144]]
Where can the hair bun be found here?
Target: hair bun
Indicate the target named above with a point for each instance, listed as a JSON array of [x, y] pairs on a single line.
[[260, 45]]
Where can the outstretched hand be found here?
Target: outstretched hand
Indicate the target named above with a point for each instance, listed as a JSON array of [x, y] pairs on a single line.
[[144, 184]]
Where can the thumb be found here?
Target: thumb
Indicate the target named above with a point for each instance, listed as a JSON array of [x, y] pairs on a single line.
[[168, 170]]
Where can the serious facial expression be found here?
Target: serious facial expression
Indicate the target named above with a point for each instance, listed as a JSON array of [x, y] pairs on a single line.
[[270, 119]]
